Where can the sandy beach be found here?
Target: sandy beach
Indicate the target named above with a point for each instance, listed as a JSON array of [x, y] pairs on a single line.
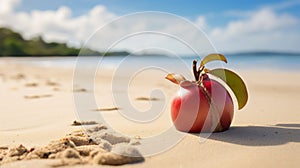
[[37, 106]]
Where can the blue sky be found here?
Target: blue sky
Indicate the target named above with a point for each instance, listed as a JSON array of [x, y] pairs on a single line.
[[246, 25], [219, 10]]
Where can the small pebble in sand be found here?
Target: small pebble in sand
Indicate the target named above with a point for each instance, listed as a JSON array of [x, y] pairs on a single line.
[[17, 151]]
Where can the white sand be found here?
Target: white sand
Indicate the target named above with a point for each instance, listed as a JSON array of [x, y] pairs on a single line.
[[264, 134]]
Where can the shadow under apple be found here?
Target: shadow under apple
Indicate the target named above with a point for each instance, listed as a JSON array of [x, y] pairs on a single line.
[[259, 135]]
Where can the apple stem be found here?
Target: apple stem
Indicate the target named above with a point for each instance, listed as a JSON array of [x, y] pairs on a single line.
[[200, 75], [196, 74]]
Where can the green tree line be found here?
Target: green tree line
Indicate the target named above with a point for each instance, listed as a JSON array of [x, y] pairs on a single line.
[[13, 44]]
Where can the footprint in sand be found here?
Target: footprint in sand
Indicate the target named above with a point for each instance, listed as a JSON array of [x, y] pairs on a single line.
[[32, 84], [37, 96], [56, 89], [51, 83], [107, 109], [80, 90], [147, 99], [77, 123], [18, 76], [2, 77]]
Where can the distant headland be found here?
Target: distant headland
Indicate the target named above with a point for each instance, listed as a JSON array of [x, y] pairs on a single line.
[[13, 44], [264, 53]]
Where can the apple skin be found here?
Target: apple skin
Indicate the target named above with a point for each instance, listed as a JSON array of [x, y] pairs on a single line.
[[190, 108]]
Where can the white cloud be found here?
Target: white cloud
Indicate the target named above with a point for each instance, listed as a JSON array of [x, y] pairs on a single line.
[[201, 22], [54, 25], [7, 6], [259, 29], [262, 29], [60, 25]]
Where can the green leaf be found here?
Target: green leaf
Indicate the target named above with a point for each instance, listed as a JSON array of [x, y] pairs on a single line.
[[213, 57], [235, 82]]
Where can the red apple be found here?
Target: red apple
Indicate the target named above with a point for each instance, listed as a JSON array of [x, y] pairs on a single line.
[[205, 105], [190, 108]]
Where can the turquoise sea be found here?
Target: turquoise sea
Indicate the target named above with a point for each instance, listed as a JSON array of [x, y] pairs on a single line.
[[243, 62]]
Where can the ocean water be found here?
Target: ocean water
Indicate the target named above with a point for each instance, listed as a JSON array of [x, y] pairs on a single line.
[[244, 62]]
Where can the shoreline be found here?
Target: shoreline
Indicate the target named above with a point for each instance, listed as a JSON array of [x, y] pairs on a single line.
[[111, 63]]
